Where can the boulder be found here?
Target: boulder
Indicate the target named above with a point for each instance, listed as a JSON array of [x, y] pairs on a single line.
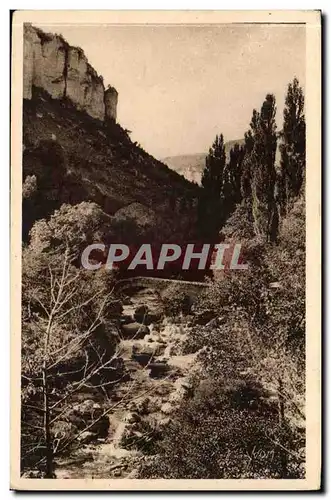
[[131, 417], [140, 314], [142, 353], [158, 370], [114, 309], [203, 317], [63, 429], [127, 301], [147, 316], [187, 385], [126, 319], [87, 437], [86, 413], [154, 316], [134, 330]]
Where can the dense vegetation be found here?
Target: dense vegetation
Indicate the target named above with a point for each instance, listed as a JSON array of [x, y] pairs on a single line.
[[246, 417]]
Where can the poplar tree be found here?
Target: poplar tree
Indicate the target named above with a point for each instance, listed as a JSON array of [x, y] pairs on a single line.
[[246, 176], [232, 175], [263, 173], [210, 206], [212, 176], [293, 146]]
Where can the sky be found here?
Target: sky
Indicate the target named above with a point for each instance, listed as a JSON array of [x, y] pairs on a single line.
[[179, 86]]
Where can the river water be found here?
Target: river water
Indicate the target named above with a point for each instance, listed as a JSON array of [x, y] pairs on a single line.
[[159, 378]]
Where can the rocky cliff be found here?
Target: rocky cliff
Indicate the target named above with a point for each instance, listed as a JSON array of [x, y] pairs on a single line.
[[110, 98], [74, 150], [51, 64]]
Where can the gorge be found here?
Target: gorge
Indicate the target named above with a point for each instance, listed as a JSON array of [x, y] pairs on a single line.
[[162, 373]]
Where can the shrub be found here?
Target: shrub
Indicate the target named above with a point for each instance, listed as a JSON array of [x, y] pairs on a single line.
[[247, 418], [229, 430], [176, 301]]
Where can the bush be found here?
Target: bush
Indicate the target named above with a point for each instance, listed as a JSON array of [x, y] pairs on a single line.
[[247, 418], [141, 436], [229, 430], [176, 301]]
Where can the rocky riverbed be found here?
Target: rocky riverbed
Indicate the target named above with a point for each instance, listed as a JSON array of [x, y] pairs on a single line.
[[158, 376]]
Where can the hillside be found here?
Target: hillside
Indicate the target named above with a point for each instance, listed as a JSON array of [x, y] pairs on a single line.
[[191, 166]]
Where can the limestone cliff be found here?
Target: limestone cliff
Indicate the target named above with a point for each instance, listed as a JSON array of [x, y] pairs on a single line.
[[75, 151], [111, 97], [44, 63], [51, 64]]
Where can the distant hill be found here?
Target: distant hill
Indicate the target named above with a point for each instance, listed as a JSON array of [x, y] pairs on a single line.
[[191, 166]]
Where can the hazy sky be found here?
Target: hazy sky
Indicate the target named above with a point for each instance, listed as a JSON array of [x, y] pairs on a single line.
[[180, 85]]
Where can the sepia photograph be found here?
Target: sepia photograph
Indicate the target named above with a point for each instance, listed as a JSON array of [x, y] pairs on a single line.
[[166, 250]]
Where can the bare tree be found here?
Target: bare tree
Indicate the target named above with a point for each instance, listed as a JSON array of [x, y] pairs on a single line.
[[63, 351], [68, 315]]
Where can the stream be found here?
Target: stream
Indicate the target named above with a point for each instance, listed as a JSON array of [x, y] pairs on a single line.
[[159, 378]]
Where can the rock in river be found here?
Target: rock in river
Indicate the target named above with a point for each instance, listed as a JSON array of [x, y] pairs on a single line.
[[134, 330]]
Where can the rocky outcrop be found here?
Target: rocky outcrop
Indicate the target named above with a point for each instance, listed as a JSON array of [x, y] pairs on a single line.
[[111, 98], [51, 64], [44, 62], [83, 85]]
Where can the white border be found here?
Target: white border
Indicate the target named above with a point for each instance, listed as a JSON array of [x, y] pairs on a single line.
[[61, 4]]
